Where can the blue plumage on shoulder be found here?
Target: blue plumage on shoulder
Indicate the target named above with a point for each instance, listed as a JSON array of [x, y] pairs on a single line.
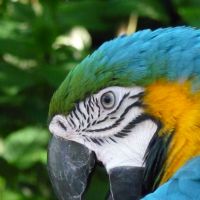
[[184, 185]]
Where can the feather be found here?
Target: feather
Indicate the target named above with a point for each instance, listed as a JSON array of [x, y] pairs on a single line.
[[138, 59], [184, 185]]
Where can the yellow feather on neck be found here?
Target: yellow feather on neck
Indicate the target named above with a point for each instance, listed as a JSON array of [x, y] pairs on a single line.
[[178, 108]]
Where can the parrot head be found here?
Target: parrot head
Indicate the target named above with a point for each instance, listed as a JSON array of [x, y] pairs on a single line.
[[132, 105]]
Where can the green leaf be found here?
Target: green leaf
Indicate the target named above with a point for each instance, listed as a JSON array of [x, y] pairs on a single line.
[[190, 15], [189, 11], [1, 146], [100, 181], [2, 184], [10, 194], [48, 73], [26, 147], [12, 79], [152, 9]]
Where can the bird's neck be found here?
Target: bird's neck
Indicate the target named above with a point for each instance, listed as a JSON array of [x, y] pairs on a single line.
[[178, 108]]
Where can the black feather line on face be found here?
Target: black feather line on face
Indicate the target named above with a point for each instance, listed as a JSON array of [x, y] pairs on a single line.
[[140, 95], [74, 125], [79, 110], [97, 105], [95, 140], [62, 125], [76, 116], [91, 105], [155, 158]]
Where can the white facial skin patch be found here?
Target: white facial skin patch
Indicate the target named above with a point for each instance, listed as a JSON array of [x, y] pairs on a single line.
[[112, 123]]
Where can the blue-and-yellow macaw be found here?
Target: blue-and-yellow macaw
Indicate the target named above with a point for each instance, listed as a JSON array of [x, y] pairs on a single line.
[[134, 104]]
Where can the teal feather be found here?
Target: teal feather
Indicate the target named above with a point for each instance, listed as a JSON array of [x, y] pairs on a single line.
[[184, 185], [138, 59]]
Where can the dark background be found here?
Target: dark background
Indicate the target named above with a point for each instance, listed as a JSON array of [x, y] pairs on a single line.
[[40, 41]]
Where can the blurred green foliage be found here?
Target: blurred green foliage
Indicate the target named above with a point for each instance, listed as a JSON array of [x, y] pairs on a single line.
[[38, 47]]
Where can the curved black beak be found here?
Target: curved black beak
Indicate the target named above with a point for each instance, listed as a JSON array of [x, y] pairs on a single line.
[[126, 183], [69, 165]]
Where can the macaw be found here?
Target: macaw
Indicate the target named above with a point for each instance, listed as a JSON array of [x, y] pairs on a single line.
[[133, 105]]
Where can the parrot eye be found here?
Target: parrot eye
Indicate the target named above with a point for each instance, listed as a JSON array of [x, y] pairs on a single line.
[[108, 100]]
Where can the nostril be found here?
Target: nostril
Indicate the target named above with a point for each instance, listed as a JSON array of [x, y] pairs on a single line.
[[62, 125]]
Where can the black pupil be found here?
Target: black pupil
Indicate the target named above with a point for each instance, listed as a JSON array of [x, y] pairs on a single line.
[[107, 99]]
